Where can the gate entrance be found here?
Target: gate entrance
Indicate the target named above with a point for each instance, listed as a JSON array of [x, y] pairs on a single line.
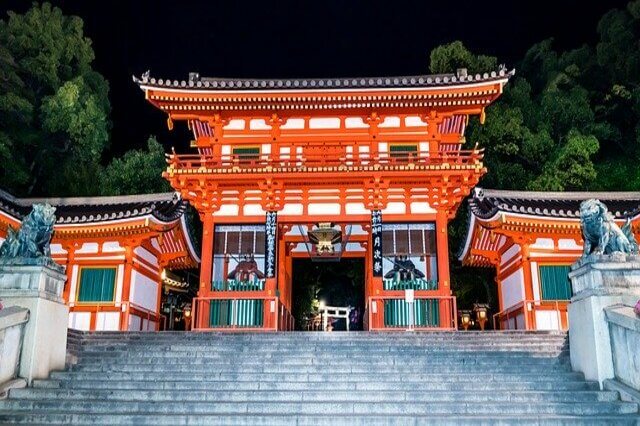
[[318, 284]]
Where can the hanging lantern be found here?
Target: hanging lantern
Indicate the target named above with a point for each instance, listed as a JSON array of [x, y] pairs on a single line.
[[325, 241], [324, 237]]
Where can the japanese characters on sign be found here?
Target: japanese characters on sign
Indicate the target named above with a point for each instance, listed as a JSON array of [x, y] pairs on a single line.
[[376, 239], [270, 244]]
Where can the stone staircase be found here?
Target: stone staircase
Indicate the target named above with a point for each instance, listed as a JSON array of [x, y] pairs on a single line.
[[317, 378]]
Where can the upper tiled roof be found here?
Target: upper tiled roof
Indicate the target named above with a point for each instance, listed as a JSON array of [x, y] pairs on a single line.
[[485, 203], [165, 207], [195, 82]]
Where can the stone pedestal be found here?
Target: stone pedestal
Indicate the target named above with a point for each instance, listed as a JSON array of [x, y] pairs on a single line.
[[39, 289], [598, 282]]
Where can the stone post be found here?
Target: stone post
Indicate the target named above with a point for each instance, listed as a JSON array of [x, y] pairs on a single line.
[[598, 282], [38, 286]]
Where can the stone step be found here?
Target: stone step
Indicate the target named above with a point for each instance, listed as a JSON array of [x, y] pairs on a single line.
[[275, 385], [297, 350], [320, 337], [356, 420], [417, 377], [327, 407], [317, 378], [335, 342], [170, 357], [216, 395], [207, 368]]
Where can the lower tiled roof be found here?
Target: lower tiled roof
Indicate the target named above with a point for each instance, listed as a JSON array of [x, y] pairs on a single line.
[[166, 207], [486, 203]]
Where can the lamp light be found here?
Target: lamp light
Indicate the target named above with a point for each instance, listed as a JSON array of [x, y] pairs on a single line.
[[465, 319], [481, 310]]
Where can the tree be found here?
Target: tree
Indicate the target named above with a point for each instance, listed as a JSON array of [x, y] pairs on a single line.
[[55, 108], [449, 57], [136, 172]]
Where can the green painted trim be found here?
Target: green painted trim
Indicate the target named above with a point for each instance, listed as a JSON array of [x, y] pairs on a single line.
[[238, 312], [554, 282], [426, 313], [233, 285], [96, 284]]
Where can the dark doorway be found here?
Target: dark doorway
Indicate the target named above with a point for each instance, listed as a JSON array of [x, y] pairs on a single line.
[[332, 283]]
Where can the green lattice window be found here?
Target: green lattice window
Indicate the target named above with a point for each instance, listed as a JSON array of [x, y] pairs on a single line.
[[403, 151], [247, 152], [96, 284], [554, 282]]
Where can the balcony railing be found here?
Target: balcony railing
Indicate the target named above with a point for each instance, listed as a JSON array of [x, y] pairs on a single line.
[[389, 313], [533, 315], [233, 285], [246, 313], [309, 162], [417, 284], [125, 310]]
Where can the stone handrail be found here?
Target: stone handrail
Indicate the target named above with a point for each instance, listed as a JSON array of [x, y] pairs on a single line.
[[624, 331], [12, 321]]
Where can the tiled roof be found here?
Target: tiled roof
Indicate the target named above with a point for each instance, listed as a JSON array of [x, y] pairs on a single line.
[[195, 82], [166, 207], [485, 203]]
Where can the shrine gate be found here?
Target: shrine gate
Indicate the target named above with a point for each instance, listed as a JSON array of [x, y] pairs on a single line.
[[325, 168]]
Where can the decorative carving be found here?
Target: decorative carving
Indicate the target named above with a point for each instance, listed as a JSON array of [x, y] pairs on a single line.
[[601, 234], [33, 238]]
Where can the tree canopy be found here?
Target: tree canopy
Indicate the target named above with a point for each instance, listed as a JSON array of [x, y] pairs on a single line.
[[567, 120], [54, 113]]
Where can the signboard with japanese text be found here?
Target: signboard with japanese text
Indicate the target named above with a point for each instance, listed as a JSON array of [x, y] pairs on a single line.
[[271, 227], [376, 242]]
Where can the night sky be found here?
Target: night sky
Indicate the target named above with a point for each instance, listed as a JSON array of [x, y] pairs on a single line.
[[300, 39]]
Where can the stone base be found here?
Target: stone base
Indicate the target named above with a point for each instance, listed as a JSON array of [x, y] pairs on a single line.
[[598, 282], [39, 289]]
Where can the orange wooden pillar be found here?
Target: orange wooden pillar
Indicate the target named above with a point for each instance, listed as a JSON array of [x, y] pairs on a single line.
[[126, 285], [71, 252], [206, 268], [529, 316], [375, 266], [442, 253], [272, 269]]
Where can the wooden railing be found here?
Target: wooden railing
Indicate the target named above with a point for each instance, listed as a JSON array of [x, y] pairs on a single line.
[[124, 309], [417, 284], [391, 313], [302, 162], [522, 315], [247, 312], [233, 285]]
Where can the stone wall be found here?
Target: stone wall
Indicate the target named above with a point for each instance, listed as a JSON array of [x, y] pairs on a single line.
[[12, 322], [624, 331]]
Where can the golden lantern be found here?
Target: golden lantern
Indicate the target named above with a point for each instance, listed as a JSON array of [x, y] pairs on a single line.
[[465, 319], [324, 237], [481, 310]]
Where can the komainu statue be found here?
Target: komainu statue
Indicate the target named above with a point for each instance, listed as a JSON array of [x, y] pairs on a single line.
[[32, 239], [600, 233]]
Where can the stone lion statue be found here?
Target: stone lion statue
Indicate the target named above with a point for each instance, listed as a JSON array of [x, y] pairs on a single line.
[[33, 238], [600, 233]]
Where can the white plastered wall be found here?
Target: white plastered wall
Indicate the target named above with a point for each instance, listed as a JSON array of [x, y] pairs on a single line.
[[144, 291]]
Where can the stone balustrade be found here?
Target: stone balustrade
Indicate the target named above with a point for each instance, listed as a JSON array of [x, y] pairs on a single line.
[[12, 324], [624, 331]]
